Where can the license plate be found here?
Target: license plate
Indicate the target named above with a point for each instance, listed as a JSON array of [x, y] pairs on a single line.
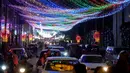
[[90, 71]]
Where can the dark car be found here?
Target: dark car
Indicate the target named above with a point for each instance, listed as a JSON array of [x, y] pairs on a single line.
[[53, 52]]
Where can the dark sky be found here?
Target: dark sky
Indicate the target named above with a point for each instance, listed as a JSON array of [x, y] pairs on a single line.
[[85, 27]]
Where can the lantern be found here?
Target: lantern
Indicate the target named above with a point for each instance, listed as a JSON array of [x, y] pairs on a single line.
[[5, 35], [78, 39], [96, 36], [23, 37], [30, 37]]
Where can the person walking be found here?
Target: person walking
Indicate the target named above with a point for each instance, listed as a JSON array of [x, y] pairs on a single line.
[[15, 61], [40, 62], [122, 63]]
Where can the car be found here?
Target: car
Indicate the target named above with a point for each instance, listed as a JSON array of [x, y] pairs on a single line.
[[20, 52], [59, 65], [93, 62], [24, 66], [53, 52], [61, 48]]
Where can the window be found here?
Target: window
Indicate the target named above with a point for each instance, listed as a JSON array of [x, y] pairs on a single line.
[[61, 49], [60, 65], [92, 59]]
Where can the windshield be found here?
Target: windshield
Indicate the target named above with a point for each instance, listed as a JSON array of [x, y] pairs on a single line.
[[61, 49], [53, 53], [60, 65], [92, 59]]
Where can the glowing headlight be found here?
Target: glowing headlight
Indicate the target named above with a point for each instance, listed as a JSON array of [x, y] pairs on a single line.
[[22, 70], [105, 69], [3, 67], [65, 53]]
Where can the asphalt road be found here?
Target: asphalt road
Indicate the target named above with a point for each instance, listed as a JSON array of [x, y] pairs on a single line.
[[33, 62]]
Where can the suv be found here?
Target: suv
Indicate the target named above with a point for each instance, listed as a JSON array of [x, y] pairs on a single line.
[[93, 62]]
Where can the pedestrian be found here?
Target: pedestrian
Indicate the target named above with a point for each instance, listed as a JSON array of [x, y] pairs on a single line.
[[80, 68], [45, 55], [15, 58], [40, 63], [122, 64], [48, 53], [15, 61]]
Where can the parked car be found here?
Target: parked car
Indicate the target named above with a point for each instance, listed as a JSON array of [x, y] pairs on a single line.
[[59, 65], [94, 62]]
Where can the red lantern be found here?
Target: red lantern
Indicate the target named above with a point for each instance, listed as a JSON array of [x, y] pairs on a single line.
[[30, 37], [78, 39], [23, 37], [96, 36], [5, 35]]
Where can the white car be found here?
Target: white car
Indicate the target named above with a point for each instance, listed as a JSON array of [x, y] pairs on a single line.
[[92, 62], [61, 48], [59, 65]]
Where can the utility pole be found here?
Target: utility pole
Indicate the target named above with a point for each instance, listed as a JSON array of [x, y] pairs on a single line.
[[1, 13]]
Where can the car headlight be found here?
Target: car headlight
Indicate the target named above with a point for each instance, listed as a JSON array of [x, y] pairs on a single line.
[[65, 53], [105, 69], [3, 67], [22, 70]]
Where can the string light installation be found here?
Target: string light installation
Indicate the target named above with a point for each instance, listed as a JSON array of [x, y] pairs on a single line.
[[62, 15], [45, 33]]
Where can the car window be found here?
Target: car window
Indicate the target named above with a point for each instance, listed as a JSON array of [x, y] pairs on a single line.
[[92, 59], [61, 49], [60, 65], [53, 53]]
